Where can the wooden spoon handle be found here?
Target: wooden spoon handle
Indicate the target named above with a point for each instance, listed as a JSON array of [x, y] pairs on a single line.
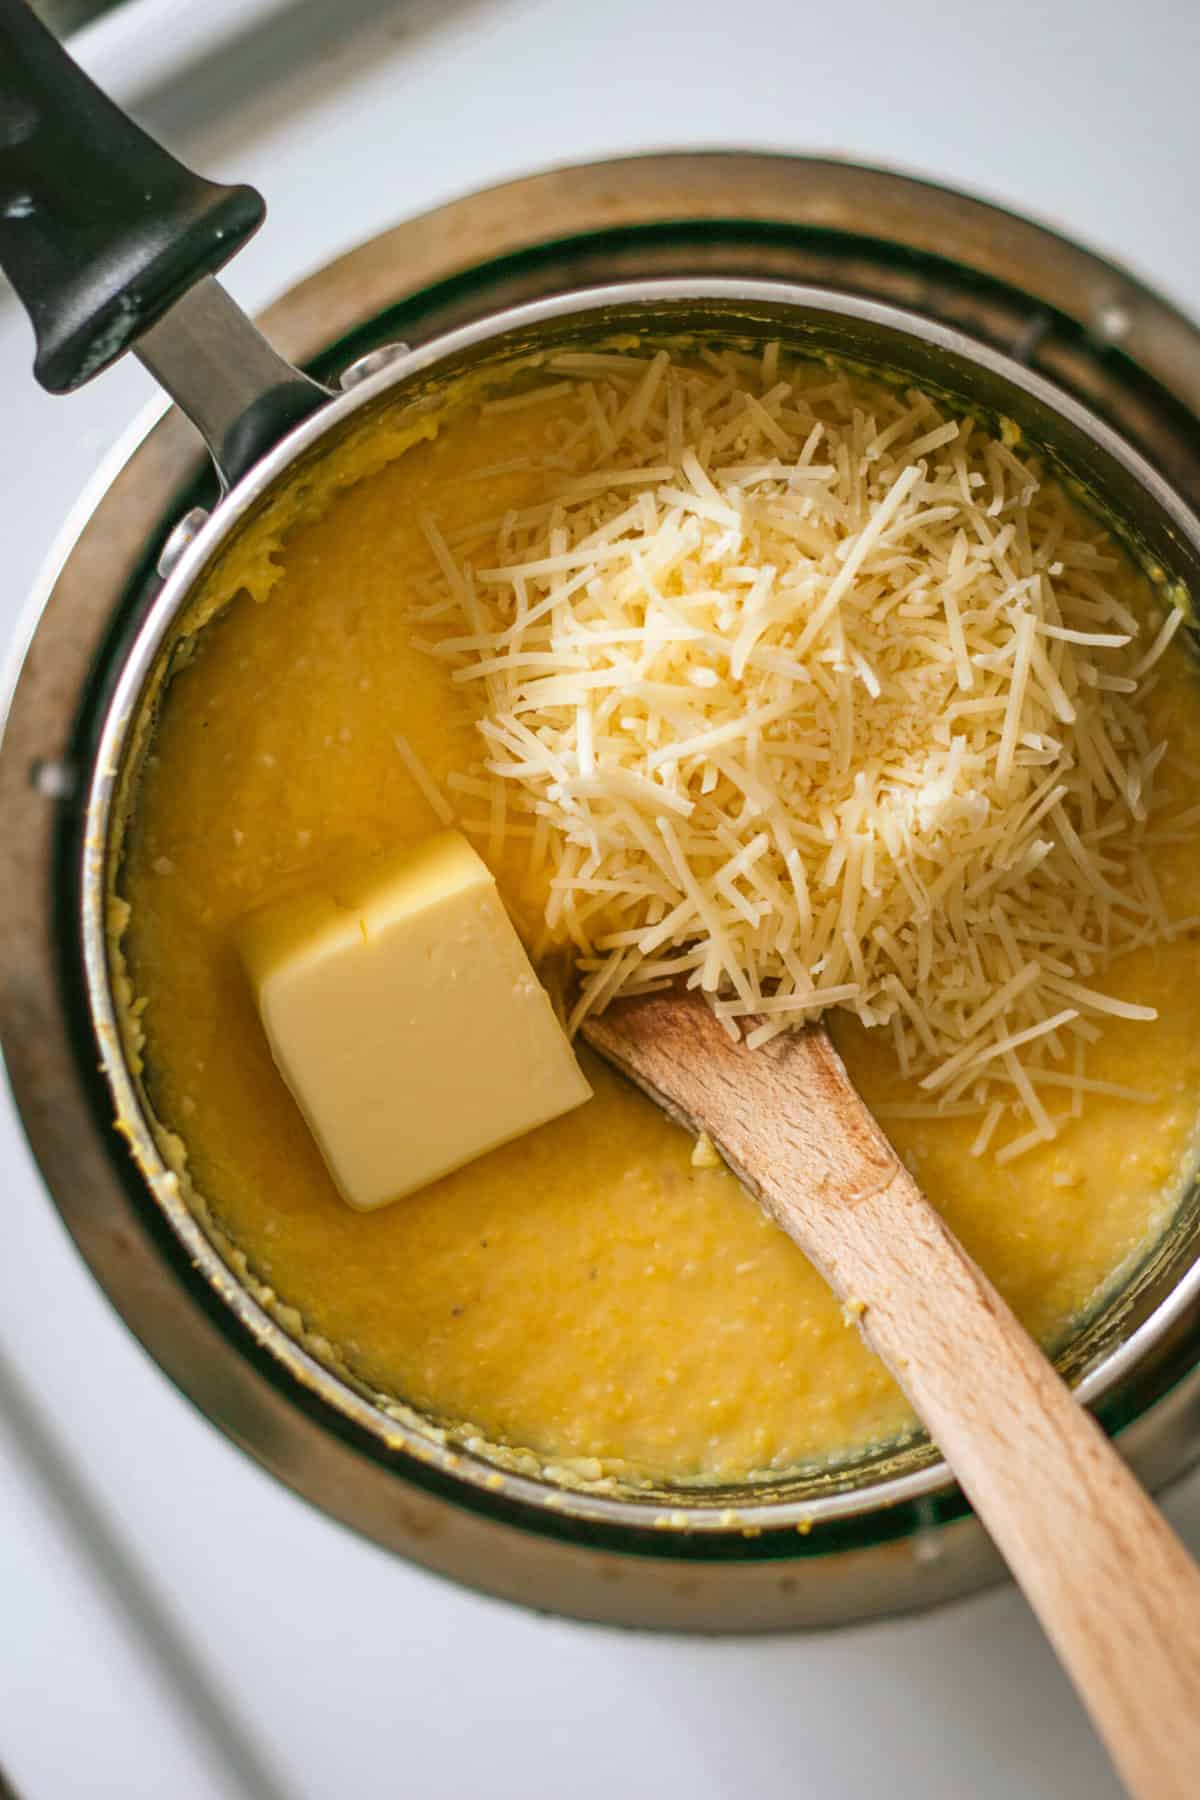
[[1117, 1594]]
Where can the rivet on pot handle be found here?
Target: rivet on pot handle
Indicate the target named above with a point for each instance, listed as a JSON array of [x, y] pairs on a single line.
[[106, 239]]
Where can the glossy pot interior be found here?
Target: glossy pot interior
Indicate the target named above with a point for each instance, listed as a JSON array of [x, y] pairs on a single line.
[[885, 1531]]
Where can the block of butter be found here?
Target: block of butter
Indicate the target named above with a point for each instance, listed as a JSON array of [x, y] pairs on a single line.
[[405, 1017]]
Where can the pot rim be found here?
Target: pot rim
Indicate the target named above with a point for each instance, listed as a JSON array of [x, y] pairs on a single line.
[[459, 1465]]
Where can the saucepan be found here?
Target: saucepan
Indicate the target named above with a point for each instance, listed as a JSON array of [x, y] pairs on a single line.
[[113, 246]]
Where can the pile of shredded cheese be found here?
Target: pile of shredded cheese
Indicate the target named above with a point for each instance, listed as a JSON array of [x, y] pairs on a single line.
[[813, 696]]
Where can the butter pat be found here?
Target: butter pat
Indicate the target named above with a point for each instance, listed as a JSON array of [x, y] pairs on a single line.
[[405, 1017]]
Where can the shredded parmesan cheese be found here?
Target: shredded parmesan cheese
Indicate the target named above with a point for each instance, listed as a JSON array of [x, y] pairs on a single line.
[[810, 697]]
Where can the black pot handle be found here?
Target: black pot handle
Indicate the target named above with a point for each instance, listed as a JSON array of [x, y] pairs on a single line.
[[100, 229]]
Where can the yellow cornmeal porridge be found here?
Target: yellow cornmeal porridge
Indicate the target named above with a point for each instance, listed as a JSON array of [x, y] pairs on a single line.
[[584, 1292]]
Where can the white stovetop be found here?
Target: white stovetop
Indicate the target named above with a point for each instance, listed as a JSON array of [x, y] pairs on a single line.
[[172, 1623]]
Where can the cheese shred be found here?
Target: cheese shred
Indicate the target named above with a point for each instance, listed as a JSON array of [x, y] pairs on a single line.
[[812, 697]]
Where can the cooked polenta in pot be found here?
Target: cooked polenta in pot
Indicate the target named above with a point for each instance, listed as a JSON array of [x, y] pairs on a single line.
[[732, 670]]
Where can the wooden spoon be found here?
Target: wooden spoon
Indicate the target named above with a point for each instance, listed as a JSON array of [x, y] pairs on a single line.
[[1115, 1590]]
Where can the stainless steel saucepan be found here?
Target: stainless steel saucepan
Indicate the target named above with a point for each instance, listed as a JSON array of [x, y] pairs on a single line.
[[113, 247]]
